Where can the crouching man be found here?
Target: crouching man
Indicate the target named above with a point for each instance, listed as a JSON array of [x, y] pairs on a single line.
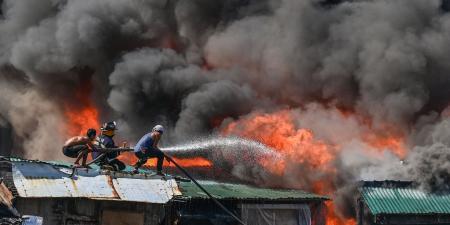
[[105, 140], [79, 146], [147, 148]]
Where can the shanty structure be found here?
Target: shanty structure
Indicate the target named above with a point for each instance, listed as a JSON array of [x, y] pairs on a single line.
[[400, 202], [256, 206], [51, 193], [59, 196]]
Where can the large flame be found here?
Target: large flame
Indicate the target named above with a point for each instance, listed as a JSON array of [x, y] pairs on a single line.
[[389, 140], [333, 219], [81, 120], [278, 130], [82, 113]]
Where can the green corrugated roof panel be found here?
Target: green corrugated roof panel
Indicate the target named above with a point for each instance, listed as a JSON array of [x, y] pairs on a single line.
[[404, 200], [239, 191]]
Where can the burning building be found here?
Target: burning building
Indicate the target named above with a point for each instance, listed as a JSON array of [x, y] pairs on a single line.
[[338, 91], [49, 190], [401, 202], [256, 206]]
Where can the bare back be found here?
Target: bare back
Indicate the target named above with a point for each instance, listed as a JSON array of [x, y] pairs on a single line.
[[77, 140]]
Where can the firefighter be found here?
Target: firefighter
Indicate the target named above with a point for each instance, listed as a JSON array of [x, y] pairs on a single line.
[[147, 147], [79, 146], [105, 140]]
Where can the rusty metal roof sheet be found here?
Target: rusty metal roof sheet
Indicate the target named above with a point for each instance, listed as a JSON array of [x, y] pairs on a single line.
[[6, 206], [37, 179]]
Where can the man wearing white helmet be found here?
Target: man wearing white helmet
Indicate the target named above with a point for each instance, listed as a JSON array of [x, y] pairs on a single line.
[[147, 147]]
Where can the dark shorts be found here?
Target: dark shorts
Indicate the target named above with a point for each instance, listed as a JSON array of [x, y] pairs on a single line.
[[153, 153], [74, 151], [117, 164]]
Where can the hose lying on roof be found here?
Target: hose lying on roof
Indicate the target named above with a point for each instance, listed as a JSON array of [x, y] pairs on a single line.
[[203, 189]]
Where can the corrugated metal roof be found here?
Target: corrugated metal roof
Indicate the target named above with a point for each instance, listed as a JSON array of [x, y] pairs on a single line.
[[239, 191], [391, 197], [37, 179], [33, 178]]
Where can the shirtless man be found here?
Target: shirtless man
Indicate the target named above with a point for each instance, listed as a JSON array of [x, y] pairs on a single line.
[[79, 146]]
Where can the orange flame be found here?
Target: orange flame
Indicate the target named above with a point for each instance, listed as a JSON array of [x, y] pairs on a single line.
[[82, 114], [333, 219], [130, 159], [81, 120], [393, 142], [278, 130], [191, 162]]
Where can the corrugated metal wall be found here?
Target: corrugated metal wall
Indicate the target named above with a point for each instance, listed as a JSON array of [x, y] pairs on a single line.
[[77, 211]]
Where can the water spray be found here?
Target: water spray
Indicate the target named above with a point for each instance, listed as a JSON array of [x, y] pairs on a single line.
[[207, 145]]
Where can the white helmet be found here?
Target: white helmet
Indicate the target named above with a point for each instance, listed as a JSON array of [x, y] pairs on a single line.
[[158, 128]]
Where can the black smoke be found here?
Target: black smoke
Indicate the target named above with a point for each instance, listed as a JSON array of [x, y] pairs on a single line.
[[194, 66]]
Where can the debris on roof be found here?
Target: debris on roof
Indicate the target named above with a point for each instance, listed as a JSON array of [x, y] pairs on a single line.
[[400, 197], [128, 169]]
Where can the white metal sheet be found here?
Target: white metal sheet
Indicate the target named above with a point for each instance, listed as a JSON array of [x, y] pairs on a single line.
[[148, 190], [43, 180]]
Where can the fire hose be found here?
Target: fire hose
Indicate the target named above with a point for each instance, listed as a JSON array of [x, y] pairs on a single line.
[[170, 159]]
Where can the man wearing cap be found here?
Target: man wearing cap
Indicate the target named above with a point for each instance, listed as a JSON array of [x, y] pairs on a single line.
[[147, 147], [105, 140]]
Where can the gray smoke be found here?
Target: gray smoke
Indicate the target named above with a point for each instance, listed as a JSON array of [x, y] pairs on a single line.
[[428, 162], [197, 66], [32, 116]]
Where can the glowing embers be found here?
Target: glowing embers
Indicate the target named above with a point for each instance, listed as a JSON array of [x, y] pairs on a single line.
[[333, 219], [130, 159]]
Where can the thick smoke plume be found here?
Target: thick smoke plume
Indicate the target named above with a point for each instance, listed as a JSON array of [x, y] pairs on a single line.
[[362, 86]]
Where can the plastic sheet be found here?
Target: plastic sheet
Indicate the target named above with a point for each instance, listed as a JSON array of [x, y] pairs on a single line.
[[276, 214]]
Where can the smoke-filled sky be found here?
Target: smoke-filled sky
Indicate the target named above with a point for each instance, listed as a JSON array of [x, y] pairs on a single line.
[[351, 72]]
